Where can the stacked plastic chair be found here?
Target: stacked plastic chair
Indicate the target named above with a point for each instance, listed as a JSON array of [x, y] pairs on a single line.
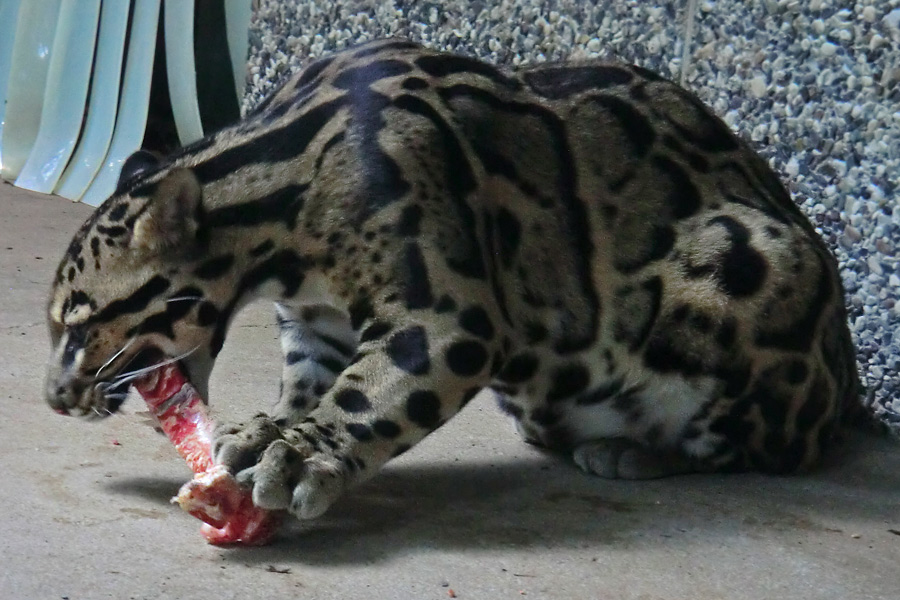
[[81, 79]]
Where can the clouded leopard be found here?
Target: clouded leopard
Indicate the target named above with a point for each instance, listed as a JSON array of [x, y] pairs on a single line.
[[587, 241]]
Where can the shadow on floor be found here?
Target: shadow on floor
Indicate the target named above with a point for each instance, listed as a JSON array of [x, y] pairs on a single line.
[[541, 503]]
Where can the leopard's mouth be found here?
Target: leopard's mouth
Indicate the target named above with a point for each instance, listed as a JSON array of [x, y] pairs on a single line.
[[144, 360], [110, 395], [146, 371], [105, 396], [149, 363]]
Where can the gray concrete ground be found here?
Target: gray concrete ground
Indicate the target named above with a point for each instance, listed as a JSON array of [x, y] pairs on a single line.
[[85, 511]]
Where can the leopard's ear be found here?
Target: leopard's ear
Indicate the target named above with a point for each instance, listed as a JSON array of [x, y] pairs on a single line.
[[171, 219], [140, 162]]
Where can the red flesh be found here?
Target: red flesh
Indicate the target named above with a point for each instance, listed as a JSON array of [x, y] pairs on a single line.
[[213, 496]]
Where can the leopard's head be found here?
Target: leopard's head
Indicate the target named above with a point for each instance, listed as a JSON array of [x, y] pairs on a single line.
[[122, 301]]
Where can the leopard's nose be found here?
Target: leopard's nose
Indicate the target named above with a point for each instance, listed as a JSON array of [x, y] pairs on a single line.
[[56, 400], [60, 395]]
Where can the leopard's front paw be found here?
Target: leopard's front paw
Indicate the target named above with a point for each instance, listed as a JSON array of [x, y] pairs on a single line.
[[284, 471]]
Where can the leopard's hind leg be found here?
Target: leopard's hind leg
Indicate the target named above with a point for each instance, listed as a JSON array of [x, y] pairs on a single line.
[[317, 343], [621, 430], [618, 458]]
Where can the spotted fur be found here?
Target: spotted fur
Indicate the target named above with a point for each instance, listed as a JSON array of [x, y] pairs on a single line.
[[586, 240]]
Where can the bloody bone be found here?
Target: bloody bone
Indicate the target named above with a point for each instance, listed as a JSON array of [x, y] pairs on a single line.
[[213, 495]]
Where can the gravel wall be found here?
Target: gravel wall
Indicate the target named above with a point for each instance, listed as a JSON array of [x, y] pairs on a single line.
[[814, 84]]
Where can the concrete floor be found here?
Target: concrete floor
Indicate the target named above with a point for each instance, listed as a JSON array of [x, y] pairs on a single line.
[[85, 510]]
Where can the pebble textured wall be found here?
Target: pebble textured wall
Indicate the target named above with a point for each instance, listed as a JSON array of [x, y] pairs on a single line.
[[814, 84]]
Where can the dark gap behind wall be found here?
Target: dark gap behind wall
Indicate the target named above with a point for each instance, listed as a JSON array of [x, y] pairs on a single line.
[[216, 96]]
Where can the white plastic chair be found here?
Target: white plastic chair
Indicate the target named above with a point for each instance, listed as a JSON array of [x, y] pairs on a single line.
[[104, 102], [25, 81], [69, 114], [68, 75], [8, 11]]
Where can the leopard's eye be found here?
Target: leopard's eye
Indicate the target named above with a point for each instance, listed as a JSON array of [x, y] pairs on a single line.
[[77, 316], [75, 341]]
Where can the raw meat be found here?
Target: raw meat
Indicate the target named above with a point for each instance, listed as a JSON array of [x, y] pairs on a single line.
[[213, 495]]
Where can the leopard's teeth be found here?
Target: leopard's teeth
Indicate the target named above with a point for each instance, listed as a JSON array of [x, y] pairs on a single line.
[[149, 380]]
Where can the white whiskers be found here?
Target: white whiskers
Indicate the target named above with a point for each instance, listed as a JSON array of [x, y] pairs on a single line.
[[130, 376], [112, 390], [114, 357]]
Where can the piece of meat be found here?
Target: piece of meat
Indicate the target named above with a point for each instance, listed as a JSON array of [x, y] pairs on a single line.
[[213, 495]]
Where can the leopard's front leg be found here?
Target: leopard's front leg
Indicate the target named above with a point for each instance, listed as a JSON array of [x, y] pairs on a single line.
[[406, 379]]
